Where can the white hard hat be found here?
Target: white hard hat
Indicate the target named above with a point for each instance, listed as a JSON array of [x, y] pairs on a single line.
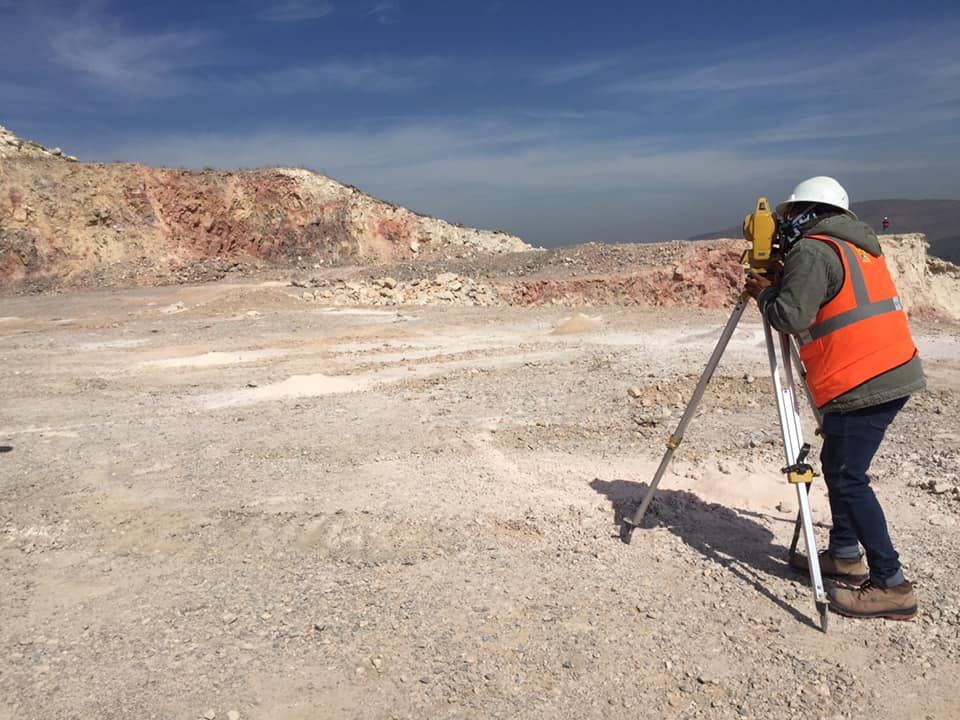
[[820, 189]]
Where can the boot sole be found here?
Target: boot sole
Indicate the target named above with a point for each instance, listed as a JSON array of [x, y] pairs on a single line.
[[847, 579], [852, 580], [905, 614]]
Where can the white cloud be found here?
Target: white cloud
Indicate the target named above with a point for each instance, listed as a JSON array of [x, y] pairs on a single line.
[[372, 76], [747, 74], [296, 10], [386, 12], [856, 124], [561, 74], [165, 64], [140, 63], [461, 153], [789, 69]]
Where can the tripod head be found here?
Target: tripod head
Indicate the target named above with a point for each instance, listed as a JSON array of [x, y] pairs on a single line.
[[761, 230]]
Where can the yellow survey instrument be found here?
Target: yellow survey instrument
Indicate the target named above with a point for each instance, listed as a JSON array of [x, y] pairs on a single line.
[[760, 230]]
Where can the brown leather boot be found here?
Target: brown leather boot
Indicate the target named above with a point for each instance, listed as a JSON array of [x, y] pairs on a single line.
[[872, 601], [853, 572]]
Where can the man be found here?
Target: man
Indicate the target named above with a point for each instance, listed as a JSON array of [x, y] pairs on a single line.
[[885, 223], [836, 296]]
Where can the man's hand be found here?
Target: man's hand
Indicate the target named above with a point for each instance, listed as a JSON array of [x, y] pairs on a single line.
[[756, 284]]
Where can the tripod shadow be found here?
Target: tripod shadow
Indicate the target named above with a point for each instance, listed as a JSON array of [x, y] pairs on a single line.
[[724, 535]]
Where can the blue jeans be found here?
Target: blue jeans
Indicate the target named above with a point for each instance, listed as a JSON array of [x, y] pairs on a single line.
[[850, 440]]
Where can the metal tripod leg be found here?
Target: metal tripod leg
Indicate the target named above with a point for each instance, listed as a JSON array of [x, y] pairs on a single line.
[[797, 529], [797, 363], [628, 524], [795, 452]]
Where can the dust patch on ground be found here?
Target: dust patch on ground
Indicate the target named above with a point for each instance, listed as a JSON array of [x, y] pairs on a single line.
[[297, 386], [215, 358], [578, 324]]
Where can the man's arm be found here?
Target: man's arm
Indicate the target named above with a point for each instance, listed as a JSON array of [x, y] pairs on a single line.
[[791, 305]]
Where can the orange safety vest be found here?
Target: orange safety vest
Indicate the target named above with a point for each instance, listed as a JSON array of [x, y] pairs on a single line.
[[862, 332]]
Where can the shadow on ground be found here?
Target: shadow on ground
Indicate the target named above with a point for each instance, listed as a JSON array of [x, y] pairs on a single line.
[[730, 537]]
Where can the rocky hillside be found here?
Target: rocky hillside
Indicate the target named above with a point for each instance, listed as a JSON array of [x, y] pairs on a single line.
[[74, 224], [12, 146]]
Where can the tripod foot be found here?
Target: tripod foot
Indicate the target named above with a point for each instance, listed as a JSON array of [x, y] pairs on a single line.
[[626, 530], [824, 609]]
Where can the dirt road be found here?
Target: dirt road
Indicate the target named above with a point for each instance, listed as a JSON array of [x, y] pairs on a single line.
[[220, 502]]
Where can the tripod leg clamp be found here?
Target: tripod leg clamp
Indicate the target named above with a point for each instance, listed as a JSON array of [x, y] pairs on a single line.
[[801, 471]]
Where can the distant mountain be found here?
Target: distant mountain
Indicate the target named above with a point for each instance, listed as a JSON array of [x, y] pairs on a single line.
[[939, 220]]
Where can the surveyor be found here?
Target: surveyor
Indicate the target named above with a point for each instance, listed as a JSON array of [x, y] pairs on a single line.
[[835, 295], [885, 223]]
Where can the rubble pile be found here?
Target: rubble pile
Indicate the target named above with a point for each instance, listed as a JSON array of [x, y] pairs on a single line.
[[445, 288]]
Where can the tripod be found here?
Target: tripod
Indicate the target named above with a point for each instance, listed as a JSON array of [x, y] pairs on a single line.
[[797, 470]]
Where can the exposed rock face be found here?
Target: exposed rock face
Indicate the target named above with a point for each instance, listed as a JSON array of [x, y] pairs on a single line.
[[927, 285], [123, 224], [12, 146]]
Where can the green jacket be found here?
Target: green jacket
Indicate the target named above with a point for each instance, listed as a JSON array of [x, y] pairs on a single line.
[[812, 276]]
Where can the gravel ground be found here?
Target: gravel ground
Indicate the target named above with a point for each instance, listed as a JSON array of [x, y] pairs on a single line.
[[218, 502]]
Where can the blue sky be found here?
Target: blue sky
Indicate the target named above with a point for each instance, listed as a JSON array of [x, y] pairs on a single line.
[[560, 121]]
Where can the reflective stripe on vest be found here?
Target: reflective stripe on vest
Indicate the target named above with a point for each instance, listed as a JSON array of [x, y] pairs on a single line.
[[864, 309]]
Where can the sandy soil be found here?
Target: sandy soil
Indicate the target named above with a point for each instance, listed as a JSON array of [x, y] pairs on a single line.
[[249, 507]]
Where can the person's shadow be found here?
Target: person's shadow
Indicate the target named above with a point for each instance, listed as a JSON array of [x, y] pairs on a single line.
[[726, 536]]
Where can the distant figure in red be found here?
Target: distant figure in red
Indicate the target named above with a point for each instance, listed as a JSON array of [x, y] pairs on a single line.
[[886, 222]]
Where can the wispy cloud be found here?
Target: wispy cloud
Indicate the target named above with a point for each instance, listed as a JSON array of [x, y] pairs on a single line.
[[550, 114], [728, 76], [181, 63], [561, 74], [855, 124], [386, 12], [378, 76], [459, 152], [949, 71], [296, 10], [133, 62]]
